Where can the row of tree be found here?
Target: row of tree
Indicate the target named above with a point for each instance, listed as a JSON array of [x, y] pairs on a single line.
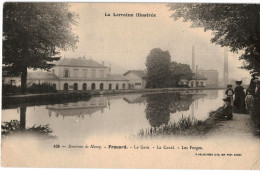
[[162, 72]]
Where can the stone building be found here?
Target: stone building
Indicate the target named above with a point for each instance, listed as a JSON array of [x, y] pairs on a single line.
[[137, 79], [196, 80], [212, 77], [78, 74]]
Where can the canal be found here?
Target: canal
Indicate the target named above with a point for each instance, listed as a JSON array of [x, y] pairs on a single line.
[[89, 134], [115, 116]]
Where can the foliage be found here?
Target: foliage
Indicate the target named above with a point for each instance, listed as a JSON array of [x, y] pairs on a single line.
[[41, 88], [8, 89], [158, 68], [179, 70], [255, 117], [186, 125], [34, 34], [13, 126], [234, 25]]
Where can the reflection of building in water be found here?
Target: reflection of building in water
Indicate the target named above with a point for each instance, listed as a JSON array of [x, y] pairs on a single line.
[[212, 94], [193, 92], [136, 98], [79, 108]]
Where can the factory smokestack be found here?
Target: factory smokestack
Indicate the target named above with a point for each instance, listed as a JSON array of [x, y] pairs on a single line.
[[225, 77], [193, 59]]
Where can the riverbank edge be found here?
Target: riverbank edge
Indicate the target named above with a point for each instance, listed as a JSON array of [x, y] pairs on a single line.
[[65, 96], [149, 90], [43, 99]]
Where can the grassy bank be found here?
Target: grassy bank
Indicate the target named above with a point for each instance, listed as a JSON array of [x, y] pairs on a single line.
[[43, 99], [185, 126]]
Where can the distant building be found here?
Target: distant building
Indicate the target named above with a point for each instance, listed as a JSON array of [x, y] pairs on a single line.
[[196, 80], [137, 79], [212, 77], [77, 74]]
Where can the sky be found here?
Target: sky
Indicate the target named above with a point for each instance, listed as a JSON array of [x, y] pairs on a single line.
[[126, 41]]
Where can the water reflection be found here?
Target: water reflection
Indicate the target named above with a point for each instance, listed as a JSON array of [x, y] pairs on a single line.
[[15, 126], [80, 108], [123, 114], [22, 117], [160, 106]]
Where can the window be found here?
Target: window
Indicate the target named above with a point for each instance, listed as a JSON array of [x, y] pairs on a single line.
[[102, 73], [85, 73], [101, 86], [110, 87], [84, 87], [201, 84], [117, 86], [66, 72], [93, 74], [138, 83], [93, 86], [76, 72], [75, 86], [123, 86], [66, 87]]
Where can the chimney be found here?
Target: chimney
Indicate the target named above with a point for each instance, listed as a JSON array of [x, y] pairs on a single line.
[[197, 71], [193, 59]]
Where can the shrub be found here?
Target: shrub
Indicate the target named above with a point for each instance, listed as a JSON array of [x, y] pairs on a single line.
[[41, 88], [8, 89]]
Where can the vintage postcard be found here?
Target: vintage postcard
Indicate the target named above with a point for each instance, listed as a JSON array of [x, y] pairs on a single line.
[[130, 85]]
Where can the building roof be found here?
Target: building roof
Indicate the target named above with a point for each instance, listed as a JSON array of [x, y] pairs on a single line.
[[198, 77], [194, 77], [79, 62], [41, 75], [117, 77], [139, 73]]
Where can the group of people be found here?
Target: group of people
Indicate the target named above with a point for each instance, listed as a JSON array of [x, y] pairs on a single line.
[[243, 101]]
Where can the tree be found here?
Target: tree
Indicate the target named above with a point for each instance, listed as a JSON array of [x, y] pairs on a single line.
[[234, 25], [179, 70], [34, 34], [158, 68]]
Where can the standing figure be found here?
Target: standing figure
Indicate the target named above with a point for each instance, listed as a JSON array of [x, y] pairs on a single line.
[[249, 100], [230, 92], [252, 84], [239, 102]]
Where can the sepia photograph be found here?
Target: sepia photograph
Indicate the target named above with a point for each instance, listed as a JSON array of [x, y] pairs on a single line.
[[130, 85]]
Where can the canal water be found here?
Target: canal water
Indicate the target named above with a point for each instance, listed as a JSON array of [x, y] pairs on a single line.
[[83, 132], [115, 116]]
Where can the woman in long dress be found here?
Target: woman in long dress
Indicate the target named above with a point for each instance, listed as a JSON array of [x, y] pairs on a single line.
[[239, 102]]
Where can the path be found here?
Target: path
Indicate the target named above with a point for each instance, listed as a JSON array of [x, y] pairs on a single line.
[[240, 126]]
